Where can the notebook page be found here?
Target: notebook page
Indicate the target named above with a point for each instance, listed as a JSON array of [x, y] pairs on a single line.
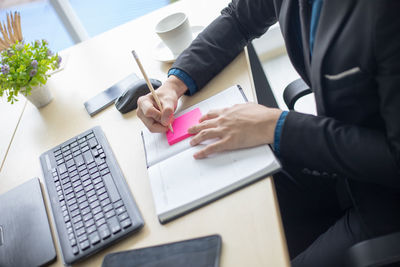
[[181, 182], [156, 144]]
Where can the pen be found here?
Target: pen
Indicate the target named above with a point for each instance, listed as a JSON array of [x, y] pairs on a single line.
[[153, 92]]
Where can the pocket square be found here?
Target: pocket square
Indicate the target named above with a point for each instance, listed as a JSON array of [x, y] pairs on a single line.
[[343, 74]]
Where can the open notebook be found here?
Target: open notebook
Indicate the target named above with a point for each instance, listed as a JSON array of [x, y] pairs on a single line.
[[181, 183]]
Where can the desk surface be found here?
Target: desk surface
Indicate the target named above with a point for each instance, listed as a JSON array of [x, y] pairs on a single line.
[[247, 220], [9, 118]]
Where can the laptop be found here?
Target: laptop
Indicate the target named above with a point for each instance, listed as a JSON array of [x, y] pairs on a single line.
[[25, 236]]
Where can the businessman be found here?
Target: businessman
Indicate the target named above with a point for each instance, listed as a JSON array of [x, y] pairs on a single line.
[[340, 182]]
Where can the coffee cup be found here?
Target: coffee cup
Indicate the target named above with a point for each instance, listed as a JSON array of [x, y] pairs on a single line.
[[174, 30]]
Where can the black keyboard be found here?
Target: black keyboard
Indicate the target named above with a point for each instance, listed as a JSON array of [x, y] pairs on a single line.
[[90, 200]]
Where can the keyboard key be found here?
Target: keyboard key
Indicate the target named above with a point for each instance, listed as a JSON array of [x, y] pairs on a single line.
[[81, 199], [84, 245], [77, 219], [73, 242], [99, 186], [103, 196], [87, 182], [62, 168], [79, 160], [73, 207], [126, 223], [88, 157], [97, 210], [71, 202], [71, 236], [114, 225], [123, 216], [92, 198], [105, 202], [75, 250], [95, 153], [104, 231], [68, 157], [87, 217], [75, 213], [91, 165], [99, 160], [81, 168], [95, 174], [104, 172], [82, 238], [120, 210], [98, 216], [118, 204], [73, 171], [100, 222], [101, 191], [57, 152], [80, 231], [89, 223], [94, 205], [83, 205], [90, 193], [91, 229], [107, 208], [94, 238], [92, 142], [110, 214], [97, 180], [111, 188]]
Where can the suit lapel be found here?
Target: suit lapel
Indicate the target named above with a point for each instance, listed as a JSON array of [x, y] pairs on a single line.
[[289, 21], [305, 15], [333, 14]]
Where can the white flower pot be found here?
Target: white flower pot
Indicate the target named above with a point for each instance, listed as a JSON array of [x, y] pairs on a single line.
[[40, 96]]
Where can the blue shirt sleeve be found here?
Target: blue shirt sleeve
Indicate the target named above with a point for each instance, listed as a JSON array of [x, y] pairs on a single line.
[[186, 79], [278, 131]]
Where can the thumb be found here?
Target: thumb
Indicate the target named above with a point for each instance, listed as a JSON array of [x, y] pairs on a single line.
[[167, 113]]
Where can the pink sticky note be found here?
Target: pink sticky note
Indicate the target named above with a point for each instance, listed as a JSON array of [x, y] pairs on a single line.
[[181, 126]]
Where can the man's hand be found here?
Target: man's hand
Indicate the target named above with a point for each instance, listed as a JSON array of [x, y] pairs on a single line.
[[240, 126], [168, 93]]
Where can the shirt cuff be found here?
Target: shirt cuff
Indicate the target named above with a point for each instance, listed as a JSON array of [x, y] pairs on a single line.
[[278, 131], [186, 79]]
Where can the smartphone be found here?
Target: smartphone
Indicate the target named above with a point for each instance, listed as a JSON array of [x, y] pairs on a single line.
[[108, 96]]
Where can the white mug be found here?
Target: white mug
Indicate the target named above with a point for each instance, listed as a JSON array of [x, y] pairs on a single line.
[[174, 30]]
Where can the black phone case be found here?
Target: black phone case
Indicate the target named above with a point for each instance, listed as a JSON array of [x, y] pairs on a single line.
[[198, 252]]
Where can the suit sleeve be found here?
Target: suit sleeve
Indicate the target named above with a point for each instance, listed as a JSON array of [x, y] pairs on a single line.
[[331, 146], [225, 38]]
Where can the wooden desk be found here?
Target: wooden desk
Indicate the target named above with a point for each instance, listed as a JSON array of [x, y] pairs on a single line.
[[9, 118], [247, 220]]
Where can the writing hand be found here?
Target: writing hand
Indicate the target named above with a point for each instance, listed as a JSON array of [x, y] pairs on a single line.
[[155, 120], [239, 126]]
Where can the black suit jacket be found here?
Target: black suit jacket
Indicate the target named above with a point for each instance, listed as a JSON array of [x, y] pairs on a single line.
[[355, 75]]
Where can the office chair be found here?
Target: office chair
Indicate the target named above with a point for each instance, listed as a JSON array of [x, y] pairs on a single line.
[[379, 251]]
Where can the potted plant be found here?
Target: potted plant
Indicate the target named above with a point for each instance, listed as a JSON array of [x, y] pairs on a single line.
[[25, 66]]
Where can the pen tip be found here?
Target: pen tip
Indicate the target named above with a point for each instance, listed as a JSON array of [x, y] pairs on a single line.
[[134, 53]]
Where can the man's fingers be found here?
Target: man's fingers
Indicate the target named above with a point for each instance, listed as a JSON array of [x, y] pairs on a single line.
[[151, 124], [210, 149], [205, 135], [167, 113], [210, 115], [202, 126], [149, 110]]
